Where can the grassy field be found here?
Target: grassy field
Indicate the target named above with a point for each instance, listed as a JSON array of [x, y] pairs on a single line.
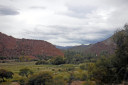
[[58, 70], [16, 66]]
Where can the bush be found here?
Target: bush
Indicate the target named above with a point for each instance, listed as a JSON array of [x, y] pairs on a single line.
[[25, 72], [59, 80], [58, 60], [22, 81], [5, 74], [44, 78], [83, 67], [70, 69], [84, 76], [42, 62]]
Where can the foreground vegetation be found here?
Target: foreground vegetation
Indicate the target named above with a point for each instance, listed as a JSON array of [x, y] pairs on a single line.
[[65, 73]]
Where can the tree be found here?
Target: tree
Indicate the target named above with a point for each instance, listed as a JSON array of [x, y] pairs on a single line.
[[5, 74], [25, 72], [120, 62], [102, 71], [44, 78], [114, 69], [58, 60]]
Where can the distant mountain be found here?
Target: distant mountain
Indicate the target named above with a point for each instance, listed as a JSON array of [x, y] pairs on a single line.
[[104, 47], [79, 48], [12, 47], [64, 47]]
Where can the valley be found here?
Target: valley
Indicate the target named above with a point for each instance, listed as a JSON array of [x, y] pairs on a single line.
[[33, 62]]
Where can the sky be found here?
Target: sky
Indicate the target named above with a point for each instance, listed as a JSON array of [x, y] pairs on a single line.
[[63, 22]]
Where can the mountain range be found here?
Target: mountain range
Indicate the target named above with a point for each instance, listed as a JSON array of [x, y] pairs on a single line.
[[104, 47], [13, 47]]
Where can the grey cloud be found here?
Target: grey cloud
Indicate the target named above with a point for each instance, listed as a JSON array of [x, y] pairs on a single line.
[[37, 7], [72, 21], [84, 40], [67, 34], [116, 2], [80, 11], [4, 10]]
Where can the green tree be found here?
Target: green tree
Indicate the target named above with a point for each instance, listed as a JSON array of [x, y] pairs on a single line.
[[120, 61], [102, 72], [114, 69], [4, 74], [58, 60], [25, 72]]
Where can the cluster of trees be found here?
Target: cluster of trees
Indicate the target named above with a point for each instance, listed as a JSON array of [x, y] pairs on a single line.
[[73, 57], [70, 57], [115, 68]]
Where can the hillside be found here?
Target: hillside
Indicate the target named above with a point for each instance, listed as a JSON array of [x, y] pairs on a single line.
[[104, 47], [12, 47]]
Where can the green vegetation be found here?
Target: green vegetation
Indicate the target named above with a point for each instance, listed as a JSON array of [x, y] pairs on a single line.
[[114, 69], [43, 78], [58, 60], [61, 74], [42, 62], [4, 74], [25, 72]]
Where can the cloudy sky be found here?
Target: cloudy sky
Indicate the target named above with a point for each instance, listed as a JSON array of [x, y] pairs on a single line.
[[63, 22]]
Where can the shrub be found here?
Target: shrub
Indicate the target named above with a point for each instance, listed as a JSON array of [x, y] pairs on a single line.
[[84, 76], [22, 81], [5, 74], [83, 67], [41, 62], [25, 72], [59, 80], [58, 60], [44, 78]]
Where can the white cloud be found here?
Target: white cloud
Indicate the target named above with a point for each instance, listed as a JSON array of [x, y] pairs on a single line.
[[63, 22]]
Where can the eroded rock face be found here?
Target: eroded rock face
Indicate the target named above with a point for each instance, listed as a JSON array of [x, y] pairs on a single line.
[[12, 47]]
